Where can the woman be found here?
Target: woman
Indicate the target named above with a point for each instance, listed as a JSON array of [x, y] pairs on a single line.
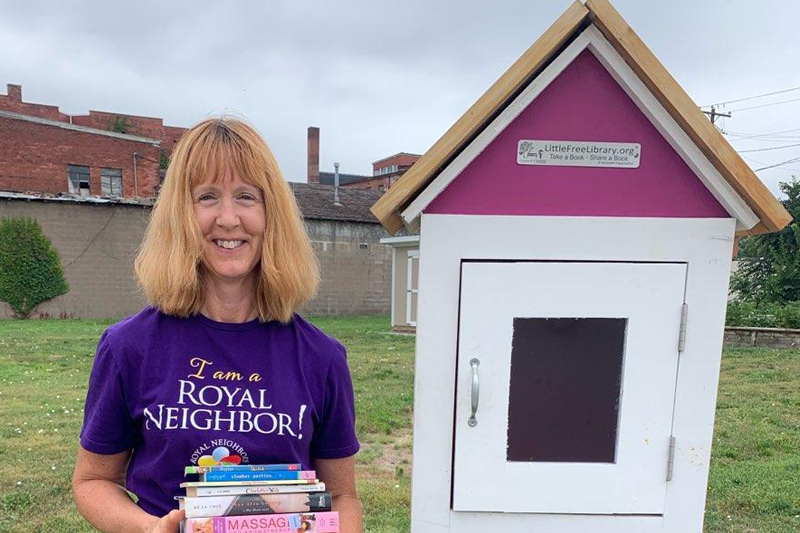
[[219, 369]]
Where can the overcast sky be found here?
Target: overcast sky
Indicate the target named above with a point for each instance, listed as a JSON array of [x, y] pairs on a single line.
[[377, 77]]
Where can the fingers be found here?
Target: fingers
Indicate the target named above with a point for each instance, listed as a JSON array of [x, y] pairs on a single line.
[[171, 522]]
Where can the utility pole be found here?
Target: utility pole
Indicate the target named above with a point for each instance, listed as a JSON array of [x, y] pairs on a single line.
[[713, 114]]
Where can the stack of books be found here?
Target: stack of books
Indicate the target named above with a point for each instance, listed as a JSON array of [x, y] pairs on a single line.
[[277, 498]]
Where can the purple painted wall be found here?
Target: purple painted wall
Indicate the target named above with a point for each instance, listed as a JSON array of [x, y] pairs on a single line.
[[583, 103]]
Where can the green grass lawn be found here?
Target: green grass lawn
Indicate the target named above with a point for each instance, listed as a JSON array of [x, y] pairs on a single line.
[[44, 366]]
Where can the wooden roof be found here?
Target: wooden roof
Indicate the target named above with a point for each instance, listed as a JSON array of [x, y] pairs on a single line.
[[771, 213]]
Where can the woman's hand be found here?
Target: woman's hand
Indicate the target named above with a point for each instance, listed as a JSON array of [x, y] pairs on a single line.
[[168, 523], [340, 480]]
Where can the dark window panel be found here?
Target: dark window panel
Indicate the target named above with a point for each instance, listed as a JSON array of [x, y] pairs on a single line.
[[565, 387]]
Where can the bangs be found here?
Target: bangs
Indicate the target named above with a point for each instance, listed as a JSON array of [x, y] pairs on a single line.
[[220, 148]]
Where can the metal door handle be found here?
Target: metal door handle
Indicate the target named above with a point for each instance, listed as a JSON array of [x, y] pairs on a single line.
[[476, 389]]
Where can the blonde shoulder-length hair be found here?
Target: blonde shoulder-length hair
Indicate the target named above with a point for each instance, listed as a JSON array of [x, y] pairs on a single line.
[[169, 261]]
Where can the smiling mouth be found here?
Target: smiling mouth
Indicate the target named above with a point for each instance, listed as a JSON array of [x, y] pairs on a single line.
[[228, 244]]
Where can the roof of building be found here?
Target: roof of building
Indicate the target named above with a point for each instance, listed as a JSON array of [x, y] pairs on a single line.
[[770, 212], [327, 178], [75, 127], [398, 154], [65, 197], [315, 201]]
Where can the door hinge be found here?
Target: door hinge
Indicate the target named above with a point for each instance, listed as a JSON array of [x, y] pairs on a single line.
[[682, 329], [671, 457]]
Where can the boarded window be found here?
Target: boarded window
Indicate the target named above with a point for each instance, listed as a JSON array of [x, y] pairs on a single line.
[[565, 389], [111, 181]]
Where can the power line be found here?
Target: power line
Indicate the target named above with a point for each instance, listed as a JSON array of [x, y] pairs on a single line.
[[772, 136], [753, 97], [778, 164], [768, 149], [762, 134], [765, 105], [763, 163]]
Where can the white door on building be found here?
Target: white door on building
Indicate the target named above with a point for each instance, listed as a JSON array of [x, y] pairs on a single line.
[[412, 284], [572, 368]]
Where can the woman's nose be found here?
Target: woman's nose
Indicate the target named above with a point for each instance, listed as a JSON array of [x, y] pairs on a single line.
[[227, 216]]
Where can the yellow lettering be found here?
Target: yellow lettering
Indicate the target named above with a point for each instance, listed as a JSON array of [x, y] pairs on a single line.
[[255, 377], [227, 376], [199, 362]]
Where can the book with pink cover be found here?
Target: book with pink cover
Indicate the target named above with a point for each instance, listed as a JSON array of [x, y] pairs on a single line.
[[271, 523]]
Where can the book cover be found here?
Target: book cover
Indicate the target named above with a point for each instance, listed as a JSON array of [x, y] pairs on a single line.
[[186, 484], [247, 504], [260, 488], [270, 523], [267, 475], [240, 468]]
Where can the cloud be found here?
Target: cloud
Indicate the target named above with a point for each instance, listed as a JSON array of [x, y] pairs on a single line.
[[376, 77]]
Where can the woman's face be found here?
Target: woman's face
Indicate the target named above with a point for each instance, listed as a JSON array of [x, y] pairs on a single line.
[[232, 220]]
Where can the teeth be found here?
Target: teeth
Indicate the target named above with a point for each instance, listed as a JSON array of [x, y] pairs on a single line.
[[230, 245]]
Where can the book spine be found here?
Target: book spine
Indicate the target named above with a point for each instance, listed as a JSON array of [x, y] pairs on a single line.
[[271, 523], [240, 468], [250, 504], [255, 489], [275, 475]]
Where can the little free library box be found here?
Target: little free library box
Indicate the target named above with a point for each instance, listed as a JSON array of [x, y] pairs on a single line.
[[576, 230]]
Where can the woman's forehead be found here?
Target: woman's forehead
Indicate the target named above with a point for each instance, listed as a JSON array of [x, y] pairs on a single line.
[[223, 172]]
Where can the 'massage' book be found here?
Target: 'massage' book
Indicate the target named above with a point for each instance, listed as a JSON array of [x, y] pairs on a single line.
[[226, 489], [248, 504], [270, 523], [266, 475]]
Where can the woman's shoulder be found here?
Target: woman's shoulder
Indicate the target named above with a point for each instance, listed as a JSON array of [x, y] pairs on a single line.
[[137, 328], [316, 340]]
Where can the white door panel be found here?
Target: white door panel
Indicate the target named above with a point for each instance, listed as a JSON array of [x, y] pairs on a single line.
[[595, 340]]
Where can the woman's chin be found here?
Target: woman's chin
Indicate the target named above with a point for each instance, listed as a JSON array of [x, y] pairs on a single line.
[[229, 272]]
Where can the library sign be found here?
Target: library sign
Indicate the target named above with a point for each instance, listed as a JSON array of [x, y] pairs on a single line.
[[578, 153]]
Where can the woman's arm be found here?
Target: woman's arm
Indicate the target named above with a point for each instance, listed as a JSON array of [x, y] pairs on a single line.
[[340, 480], [97, 485]]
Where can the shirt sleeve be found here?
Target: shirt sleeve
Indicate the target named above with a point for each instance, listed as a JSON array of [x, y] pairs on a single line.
[[107, 424], [336, 435]]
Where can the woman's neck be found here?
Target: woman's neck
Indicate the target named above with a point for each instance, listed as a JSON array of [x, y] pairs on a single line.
[[229, 300]]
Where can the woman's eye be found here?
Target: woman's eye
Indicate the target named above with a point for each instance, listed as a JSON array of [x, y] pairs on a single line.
[[247, 196], [204, 197]]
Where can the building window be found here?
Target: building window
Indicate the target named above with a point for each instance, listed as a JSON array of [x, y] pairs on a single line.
[[78, 178], [111, 181], [385, 170]]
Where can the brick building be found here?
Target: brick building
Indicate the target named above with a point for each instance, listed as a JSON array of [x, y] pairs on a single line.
[[101, 154], [384, 171]]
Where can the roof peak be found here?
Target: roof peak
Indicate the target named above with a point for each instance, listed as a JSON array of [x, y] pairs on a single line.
[[600, 13]]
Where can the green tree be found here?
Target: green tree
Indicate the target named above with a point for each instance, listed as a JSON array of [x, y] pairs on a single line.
[[30, 267], [769, 265]]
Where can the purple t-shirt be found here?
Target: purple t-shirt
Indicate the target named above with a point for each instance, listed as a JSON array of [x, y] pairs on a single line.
[[187, 391]]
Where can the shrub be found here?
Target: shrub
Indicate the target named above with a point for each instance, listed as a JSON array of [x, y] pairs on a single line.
[[30, 268], [764, 315], [120, 125]]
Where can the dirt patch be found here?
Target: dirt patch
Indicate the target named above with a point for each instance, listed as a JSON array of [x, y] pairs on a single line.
[[394, 457]]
